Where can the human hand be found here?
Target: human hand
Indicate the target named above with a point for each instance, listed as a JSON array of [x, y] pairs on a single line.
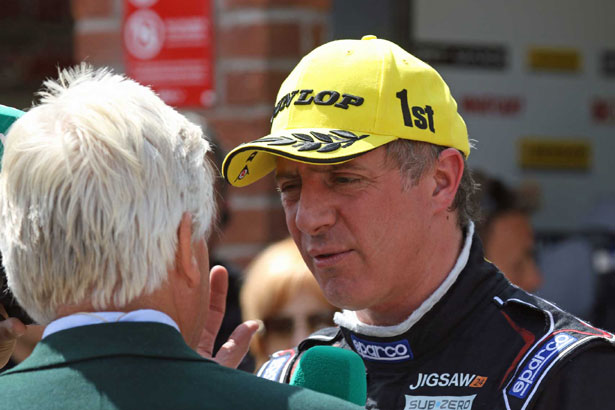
[[232, 352], [10, 330]]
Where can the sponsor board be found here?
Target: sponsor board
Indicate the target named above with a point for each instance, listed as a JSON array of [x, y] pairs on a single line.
[[555, 154], [523, 383], [439, 402], [608, 63], [554, 59], [487, 56], [485, 104], [396, 351]]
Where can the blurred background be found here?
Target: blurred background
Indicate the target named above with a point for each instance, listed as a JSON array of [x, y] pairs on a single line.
[[534, 80]]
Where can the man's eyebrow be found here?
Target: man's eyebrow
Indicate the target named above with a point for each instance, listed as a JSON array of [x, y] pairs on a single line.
[[350, 165], [284, 175]]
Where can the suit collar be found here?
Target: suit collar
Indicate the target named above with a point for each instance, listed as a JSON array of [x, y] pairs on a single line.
[[90, 318], [144, 339]]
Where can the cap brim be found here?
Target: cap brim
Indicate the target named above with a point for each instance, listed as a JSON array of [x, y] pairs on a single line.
[[251, 161]]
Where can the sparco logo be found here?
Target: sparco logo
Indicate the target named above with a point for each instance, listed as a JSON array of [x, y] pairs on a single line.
[[387, 352], [533, 369]]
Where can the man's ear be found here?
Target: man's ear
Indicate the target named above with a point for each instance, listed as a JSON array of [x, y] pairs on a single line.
[[187, 267], [447, 175]]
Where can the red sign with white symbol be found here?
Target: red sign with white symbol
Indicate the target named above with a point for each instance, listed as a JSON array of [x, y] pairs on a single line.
[[168, 45]]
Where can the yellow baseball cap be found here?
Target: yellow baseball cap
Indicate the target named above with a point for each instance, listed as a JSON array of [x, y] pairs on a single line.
[[348, 97]]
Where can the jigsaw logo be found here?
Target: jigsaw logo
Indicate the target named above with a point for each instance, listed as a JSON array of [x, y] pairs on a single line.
[[531, 372], [383, 352], [448, 380]]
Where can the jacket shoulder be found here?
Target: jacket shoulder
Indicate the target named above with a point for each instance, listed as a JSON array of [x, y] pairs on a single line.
[[559, 338], [281, 364]]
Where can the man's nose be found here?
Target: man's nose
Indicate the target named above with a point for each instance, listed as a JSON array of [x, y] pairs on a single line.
[[315, 212]]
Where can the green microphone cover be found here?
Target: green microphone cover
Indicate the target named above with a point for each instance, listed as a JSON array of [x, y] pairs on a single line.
[[334, 371], [8, 116]]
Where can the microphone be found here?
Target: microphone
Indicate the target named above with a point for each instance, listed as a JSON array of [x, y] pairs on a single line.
[[334, 371], [8, 115]]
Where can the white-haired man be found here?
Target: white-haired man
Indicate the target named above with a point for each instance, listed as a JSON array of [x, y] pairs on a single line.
[[369, 156], [106, 205], [11, 329]]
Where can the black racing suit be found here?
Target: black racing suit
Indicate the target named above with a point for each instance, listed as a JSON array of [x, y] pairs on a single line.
[[485, 344]]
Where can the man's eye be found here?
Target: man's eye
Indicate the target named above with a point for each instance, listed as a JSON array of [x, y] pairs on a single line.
[[344, 179], [285, 188]]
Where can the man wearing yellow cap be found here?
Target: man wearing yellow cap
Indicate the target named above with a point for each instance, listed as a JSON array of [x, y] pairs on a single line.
[[369, 155]]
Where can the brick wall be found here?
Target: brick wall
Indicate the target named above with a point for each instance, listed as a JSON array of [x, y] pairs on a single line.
[[258, 42], [36, 36], [98, 32]]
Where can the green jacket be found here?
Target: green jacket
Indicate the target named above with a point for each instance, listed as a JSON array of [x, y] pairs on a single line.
[[146, 365]]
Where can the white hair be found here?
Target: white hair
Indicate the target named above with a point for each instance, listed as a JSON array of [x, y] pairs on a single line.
[[93, 186]]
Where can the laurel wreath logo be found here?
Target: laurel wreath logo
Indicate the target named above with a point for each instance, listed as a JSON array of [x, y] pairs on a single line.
[[317, 141]]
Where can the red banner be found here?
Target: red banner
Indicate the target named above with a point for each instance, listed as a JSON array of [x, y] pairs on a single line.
[[603, 110], [492, 104], [168, 45]]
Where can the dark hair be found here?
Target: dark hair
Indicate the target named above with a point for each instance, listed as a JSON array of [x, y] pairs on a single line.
[[216, 156], [495, 198], [414, 157]]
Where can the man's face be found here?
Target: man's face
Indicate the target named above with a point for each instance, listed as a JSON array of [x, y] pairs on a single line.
[[303, 313], [359, 231], [510, 245]]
